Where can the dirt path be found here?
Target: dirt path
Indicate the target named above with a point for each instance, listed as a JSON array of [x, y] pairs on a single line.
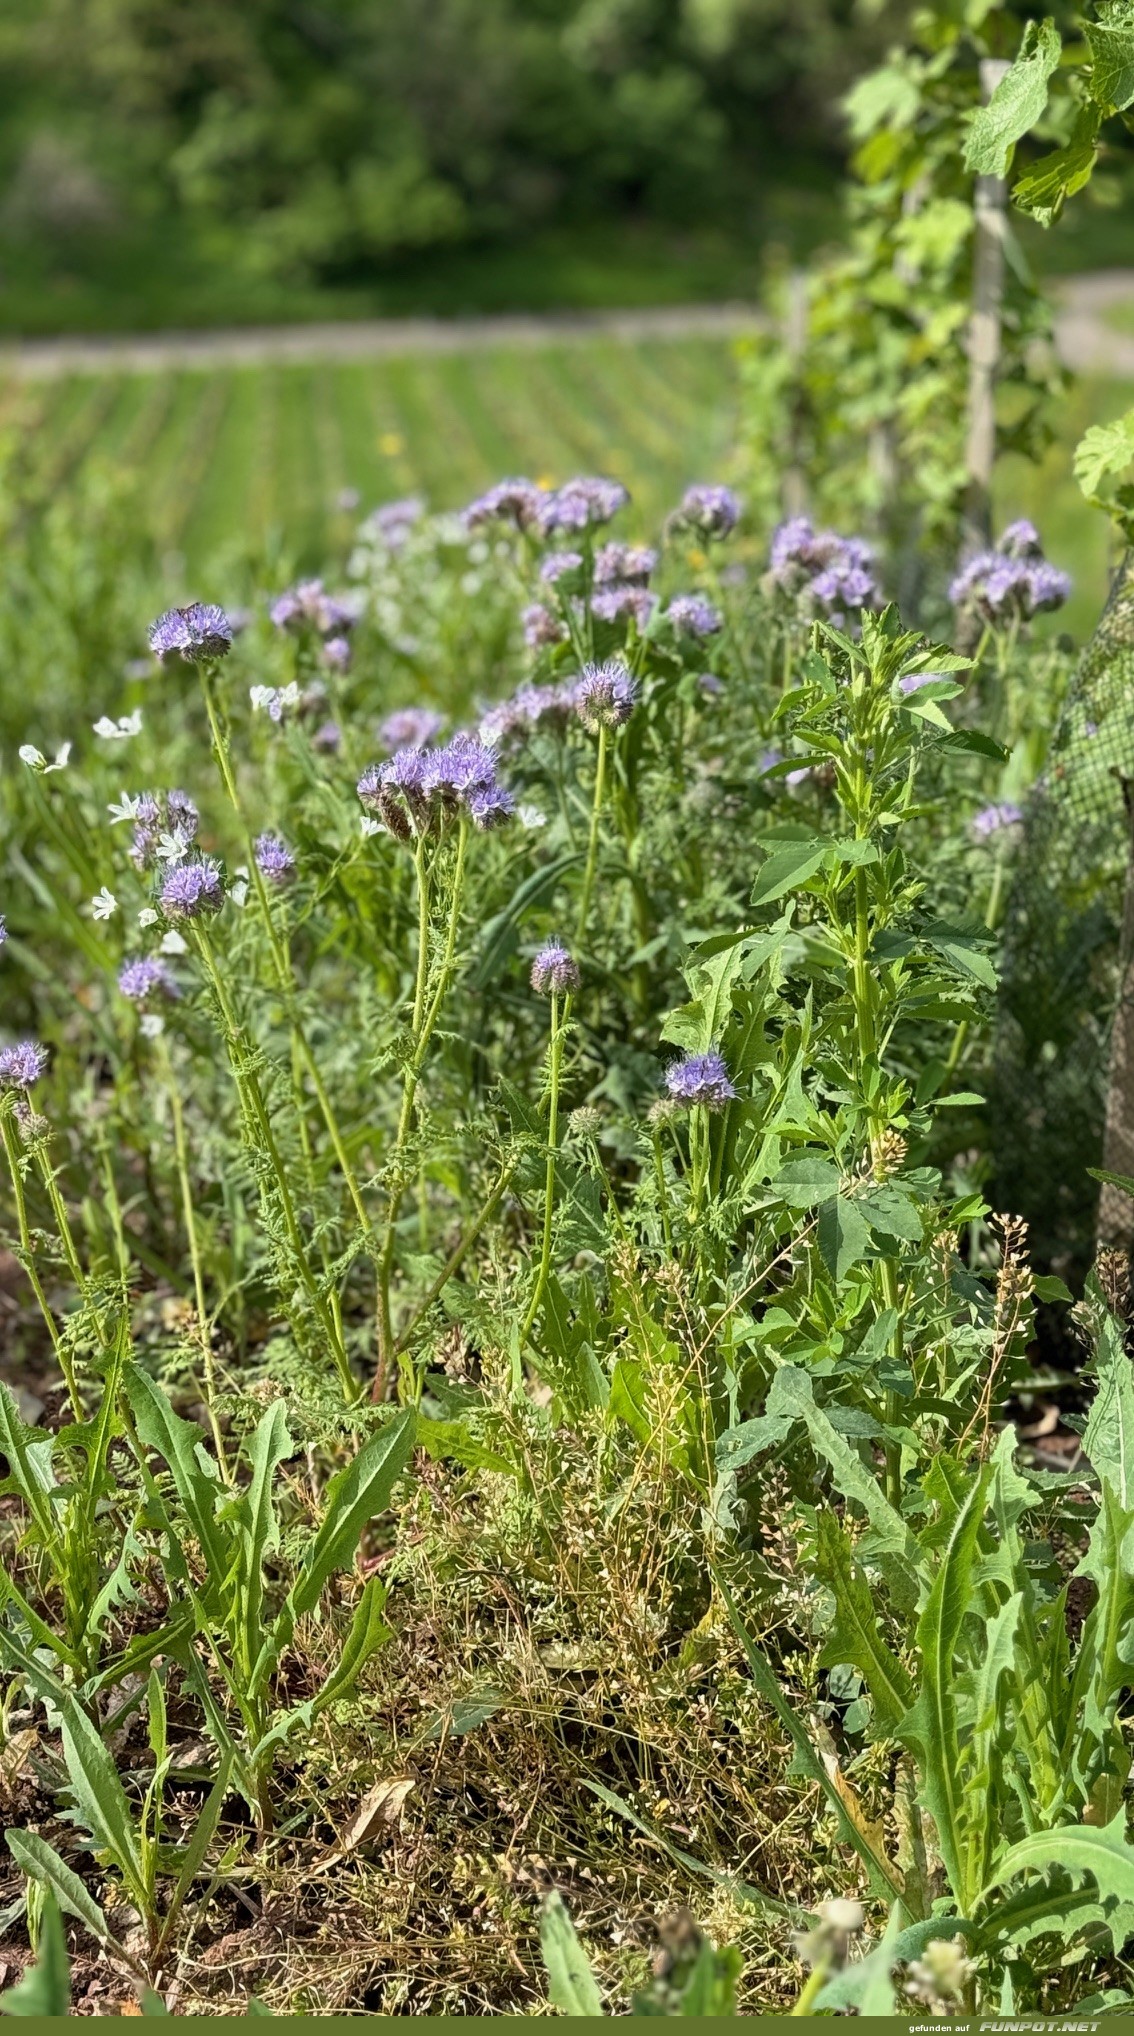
[[1085, 340]]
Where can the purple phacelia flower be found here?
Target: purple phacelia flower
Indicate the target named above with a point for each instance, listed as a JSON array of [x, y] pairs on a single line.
[[709, 508], [490, 806], [557, 563], [410, 728], [991, 819], [541, 627], [581, 504], [1012, 583], [392, 522], [692, 615], [768, 760], [336, 654], [618, 604], [327, 738], [515, 501], [700, 1078], [163, 822], [198, 633], [554, 970], [147, 980], [832, 572], [397, 793], [274, 860], [624, 564], [529, 708], [21, 1065], [308, 605], [605, 696], [192, 889], [1020, 540], [3, 929], [466, 764], [914, 681]]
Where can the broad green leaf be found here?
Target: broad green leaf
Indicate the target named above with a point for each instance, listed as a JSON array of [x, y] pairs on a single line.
[[1111, 43], [888, 1208], [843, 1235], [1016, 104], [1108, 1438], [931, 1727], [352, 1499], [1045, 186], [804, 1182], [963, 950], [739, 1445], [787, 867], [791, 1393], [40, 1861], [570, 1981], [453, 1442], [854, 1635], [501, 933], [181, 1446], [45, 1988], [1105, 1853], [101, 1798]]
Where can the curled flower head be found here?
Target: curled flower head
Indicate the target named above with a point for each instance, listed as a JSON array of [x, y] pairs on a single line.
[[692, 615], [466, 764], [410, 728], [336, 653], [490, 806], [197, 633], [828, 574], [147, 980], [541, 627], [165, 827], [22, 1064], [274, 860], [581, 504], [557, 563], [605, 696], [554, 970], [709, 508], [700, 1078], [992, 819], [396, 792], [516, 501], [1011, 583], [616, 604], [193, 889], [622, 564]]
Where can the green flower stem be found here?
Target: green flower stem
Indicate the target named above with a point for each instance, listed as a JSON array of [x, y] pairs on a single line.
[[284, 973], [663, 1191], [457, 1256], [204, 1325], [27, 1256], [258, 1119], [425, 1018], [592, 840], [992, 920], [67, 1238], [559, 1026]]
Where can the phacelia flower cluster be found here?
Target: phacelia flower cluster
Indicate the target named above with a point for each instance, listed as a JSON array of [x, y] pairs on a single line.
[[1011, 583], [518, 501], [193, 890], [274, 860], [692, 615], [581, 504], [993, 819], [555, 972], [147, 981], [410, 728], [828, 575], [605, 696], [197, 634], [418, 790], [391, 523], [308, 605], [165, 828], [529, 708], [709, 509], [700, 1078], [22, 1064]]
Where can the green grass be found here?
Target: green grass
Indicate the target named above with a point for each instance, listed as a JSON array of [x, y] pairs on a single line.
[[241, 458]]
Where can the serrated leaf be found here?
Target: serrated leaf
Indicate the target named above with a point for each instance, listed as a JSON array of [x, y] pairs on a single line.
[[1104, 452], [1111, 43], [1045, 185], [1106, 1854], [803, 1182], [101, 1798], [570, 1982], [854, 1635], [40, 1861], [843, 1235], [1016, 104], [788, 867], [791, 1393], [1108, 1438]]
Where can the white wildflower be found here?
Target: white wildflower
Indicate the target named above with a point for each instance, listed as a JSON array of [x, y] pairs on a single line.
[[151, 1025], [174, 847], [105, 905], [173, 943], [371, 826], [126, 807], [239, 892], [36, 761], [147, 916], [117, 731], [531, 816]]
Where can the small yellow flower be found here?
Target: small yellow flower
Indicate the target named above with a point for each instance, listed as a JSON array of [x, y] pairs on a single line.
[[545, 480], [390, 444], [698, 559]]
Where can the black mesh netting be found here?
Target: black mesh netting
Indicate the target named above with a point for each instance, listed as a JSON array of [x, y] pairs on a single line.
[[1062, 1088]]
